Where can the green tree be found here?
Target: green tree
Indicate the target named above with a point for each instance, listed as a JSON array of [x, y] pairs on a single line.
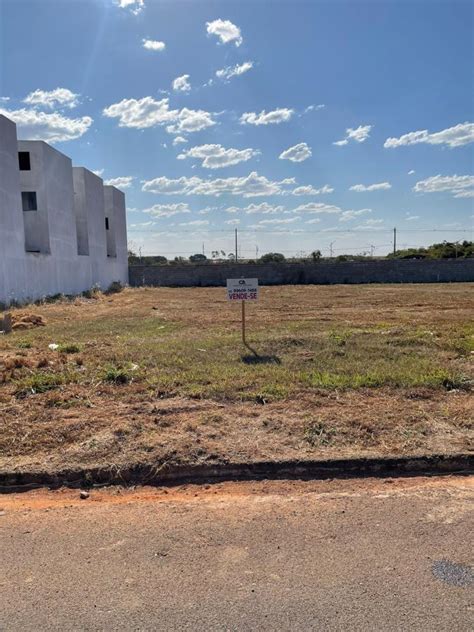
[[272, 257], [197, 258]]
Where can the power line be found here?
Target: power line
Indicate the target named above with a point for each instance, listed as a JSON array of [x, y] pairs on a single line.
[[350, 231]]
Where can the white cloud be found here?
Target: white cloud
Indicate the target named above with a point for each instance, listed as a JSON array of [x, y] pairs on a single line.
[[179, 140], [181, 84], [297, 153], [411, 172], [191, 121], [234, 71], [369, 224], [232, 222], [456, 136], [411, 218], [378, 186], [50, 127], [286, 220], [459, 186], [359, 134], [146, 112], [252, 185], [310, 190], [154, 45], [279, 115], [373, 222], [313, 207], [312, 108], [122, 182], [216, 156], [196, 222], [135, 6], [98, 172], [141, 225], [167, 210], [60, 97], [347, 216], [263, 208], [315, 220], [225, 30]]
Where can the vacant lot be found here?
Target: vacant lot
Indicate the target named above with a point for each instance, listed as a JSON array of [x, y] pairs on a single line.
[[160, 375]]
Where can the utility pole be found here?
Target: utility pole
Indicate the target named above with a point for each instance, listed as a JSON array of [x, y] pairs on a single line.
[[394, 240], [203, 250], [372, 250], [330, 249], [256, 251], [236, 255]]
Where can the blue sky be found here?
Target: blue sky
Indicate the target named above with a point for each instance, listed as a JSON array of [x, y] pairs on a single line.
[[300, 123]]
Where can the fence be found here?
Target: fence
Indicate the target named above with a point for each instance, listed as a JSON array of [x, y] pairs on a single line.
[[320, 273]]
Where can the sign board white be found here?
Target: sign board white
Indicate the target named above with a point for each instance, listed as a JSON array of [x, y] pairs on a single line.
[[242, 289]]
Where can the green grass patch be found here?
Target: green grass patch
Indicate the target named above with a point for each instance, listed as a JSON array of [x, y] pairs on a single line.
[[42, 382], [117, 374], [24, 344], [69, 347]]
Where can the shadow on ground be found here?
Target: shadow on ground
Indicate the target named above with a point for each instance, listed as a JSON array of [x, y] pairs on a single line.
[[255, 358]]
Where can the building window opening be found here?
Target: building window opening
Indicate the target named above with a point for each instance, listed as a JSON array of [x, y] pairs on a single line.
[[28, 200], [106, 223], [24, 160]]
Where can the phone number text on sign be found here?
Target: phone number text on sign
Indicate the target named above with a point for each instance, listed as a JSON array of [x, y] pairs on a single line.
[[242, 289]]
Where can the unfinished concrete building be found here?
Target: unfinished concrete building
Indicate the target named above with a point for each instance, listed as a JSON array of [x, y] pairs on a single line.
[[61, 230]]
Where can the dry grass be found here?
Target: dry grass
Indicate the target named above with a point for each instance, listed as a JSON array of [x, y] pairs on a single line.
[[161, 375]]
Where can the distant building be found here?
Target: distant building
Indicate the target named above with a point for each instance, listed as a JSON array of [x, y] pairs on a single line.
[[61, 230]]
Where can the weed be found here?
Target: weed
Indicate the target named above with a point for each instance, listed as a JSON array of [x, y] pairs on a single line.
[[117, 374], [340, 337], [319, 434], [69, 348], [41, 382], [93, 292], [114, 288], [54, 298], [24, 344]]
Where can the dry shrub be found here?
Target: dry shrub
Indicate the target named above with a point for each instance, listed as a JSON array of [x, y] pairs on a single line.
[[25, 320]]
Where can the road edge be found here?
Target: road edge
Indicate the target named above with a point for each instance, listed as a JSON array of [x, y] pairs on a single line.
[[173, 474]]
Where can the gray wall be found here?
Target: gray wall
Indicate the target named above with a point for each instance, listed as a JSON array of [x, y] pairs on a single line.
[[436, 271]]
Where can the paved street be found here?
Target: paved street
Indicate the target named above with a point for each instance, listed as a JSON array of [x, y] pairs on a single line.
[[327, 555]]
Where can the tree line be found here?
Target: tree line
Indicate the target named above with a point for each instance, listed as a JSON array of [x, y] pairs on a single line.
[[443, 250]]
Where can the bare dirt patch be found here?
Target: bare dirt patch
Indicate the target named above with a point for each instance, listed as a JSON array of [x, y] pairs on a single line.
[[159, 376]]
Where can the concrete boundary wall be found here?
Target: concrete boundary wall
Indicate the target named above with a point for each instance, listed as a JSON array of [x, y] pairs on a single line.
[[322, 273]]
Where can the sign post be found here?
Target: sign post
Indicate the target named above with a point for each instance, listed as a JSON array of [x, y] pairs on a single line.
[[242, 290]]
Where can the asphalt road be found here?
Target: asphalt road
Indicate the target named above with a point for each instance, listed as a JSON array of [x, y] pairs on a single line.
[[350, 555]]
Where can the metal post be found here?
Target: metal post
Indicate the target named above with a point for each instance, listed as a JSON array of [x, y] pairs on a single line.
[[236, 254], [243, 323], [394, 240]]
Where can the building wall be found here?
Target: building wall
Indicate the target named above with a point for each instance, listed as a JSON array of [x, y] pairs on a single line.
[[71, 211], [12, 234], [116, 212], [322, 273]]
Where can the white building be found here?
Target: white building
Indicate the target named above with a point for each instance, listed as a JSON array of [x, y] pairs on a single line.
[[61, 230]]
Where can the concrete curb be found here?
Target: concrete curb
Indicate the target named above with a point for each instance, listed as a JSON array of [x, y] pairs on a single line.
[[170, 474]]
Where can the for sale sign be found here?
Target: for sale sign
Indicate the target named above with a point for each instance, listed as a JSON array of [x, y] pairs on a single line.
[[242, 289]]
